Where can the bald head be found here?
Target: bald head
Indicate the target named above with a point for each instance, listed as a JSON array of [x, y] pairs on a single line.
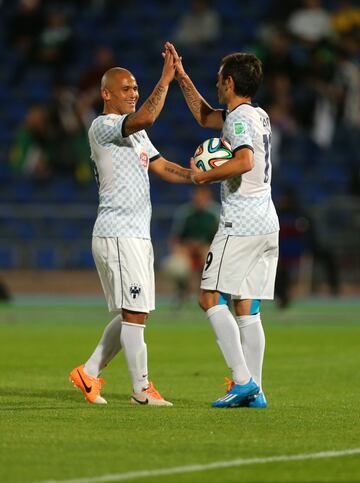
[[114, 75], [119, 91]]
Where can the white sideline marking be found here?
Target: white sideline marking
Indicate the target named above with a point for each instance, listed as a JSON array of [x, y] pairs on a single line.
[[131, 475]]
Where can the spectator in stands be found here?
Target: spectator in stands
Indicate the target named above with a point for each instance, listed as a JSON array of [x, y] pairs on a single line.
[[103, 59], [347, 79], [24, 29], [311, 23], [300, 251], [278, 56], [29, 154], [292, 246], [55, 41], [25, 26], [90, 99], [70, 153], [194, 227], [198, 27], [346, 17]]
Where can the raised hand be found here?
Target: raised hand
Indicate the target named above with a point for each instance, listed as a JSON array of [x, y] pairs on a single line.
[[168, 72], [180, 71]]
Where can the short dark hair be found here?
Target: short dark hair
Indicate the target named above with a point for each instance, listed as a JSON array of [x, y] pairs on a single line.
[[245, 70]]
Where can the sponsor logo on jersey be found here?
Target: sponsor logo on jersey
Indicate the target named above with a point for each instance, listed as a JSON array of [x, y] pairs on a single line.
[[135, 290], [239, 128], [144, 158]]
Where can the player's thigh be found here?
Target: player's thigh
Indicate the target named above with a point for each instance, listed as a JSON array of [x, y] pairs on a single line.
[[259, 282], [126, 270], [229, 260], [136, 258], [105, 256], [242, 266], [212, 265]]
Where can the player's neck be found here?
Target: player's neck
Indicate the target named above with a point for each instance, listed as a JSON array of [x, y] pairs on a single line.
[[109, 110], [235, 101]]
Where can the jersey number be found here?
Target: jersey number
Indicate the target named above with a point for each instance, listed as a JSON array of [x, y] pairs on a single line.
[[267, 147], [209, 259]]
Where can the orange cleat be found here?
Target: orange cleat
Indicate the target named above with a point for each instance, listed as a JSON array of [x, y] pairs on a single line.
[[149, 396], [90, 386]]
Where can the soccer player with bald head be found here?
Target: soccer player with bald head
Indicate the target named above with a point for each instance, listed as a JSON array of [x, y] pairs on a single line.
[[123, 154]]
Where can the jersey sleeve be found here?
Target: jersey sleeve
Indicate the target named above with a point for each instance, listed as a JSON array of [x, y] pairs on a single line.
[[151, 150], [239, 132], [108, 129]]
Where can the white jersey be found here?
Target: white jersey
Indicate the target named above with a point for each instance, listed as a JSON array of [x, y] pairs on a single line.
[[246, 205], [121, 169]]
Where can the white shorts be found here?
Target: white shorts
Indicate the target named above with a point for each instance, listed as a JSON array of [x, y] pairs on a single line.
[[126, 270], [242, 266]]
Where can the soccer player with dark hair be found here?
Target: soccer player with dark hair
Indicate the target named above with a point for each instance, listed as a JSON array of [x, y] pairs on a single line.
[[121, 245], [242, 259]]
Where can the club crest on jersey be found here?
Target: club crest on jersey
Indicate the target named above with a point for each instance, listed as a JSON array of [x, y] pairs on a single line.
[[144, 158], [239, 128], [135, 290]]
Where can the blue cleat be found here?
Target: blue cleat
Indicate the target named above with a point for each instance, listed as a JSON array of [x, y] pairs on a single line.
[[258, 402], [237, 394]]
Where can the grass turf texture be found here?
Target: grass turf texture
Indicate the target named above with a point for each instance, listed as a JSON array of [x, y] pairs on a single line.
[[311, 379]]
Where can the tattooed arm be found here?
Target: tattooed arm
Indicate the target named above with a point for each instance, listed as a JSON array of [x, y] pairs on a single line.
[[150, 110], [171, 172], [205, 115]]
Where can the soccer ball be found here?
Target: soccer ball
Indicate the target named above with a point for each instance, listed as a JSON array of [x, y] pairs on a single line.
[[212, 153]]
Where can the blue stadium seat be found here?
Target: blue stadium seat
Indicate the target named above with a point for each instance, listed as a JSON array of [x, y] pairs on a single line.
[[46, 258], [8, 258], [82, 259]]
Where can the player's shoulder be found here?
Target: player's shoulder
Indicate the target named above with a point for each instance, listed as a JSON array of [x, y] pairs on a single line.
[[241, 120], [254, 115], [261, 113], [108, 119], [247, 109], [243, 112]]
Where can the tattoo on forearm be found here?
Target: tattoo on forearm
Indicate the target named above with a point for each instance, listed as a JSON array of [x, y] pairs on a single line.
[[191, 97], [154, 100], [177, 172]]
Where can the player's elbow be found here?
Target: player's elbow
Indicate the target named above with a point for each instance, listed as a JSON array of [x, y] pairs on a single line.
[[246, 162], [248, 165], [205, 121], [202, 122]]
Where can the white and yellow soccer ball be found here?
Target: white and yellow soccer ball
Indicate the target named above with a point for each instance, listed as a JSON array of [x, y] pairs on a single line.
[[212, 153]]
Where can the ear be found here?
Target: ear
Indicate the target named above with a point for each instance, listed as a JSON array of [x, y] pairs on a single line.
[[229, 83], [105, 94]]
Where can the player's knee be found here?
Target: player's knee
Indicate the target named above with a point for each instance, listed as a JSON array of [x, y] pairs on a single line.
[[246, 320], [247, 306], [201, 303], [134, 317], [207, 300]]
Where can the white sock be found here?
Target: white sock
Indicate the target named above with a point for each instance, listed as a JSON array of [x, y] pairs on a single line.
[[132, 340], [107, 348], [228, 339], [253, 343]]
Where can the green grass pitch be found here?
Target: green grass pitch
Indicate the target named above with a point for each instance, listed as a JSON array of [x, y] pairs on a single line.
[[311, 379]]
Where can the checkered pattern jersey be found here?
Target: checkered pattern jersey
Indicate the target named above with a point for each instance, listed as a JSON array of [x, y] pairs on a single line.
[[121, 170], [246, 204]]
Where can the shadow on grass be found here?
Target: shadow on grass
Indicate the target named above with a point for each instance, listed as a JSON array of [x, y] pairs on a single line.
[[62, 395]]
